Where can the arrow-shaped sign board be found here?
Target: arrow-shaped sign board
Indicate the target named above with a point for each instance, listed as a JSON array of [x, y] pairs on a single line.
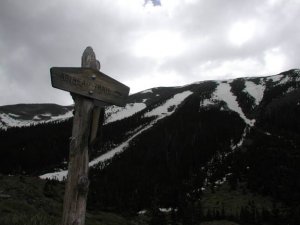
[[89, 83]]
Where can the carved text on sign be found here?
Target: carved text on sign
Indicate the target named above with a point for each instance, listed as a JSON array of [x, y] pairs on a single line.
[[85, 84], [90, 83]]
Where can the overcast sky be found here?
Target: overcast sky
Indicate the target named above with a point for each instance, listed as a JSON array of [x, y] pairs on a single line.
[[177, 43]]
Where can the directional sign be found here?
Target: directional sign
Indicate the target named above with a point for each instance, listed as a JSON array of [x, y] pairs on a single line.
[[89, 83]]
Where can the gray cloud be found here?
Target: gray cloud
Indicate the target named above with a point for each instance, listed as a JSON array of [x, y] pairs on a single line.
[[36, 35]]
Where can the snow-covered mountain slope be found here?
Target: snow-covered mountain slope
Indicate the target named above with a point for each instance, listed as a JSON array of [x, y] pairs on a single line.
[[223, 93], [242, 96], [164, 110], [24, 115], [32, 114], [244, 99]]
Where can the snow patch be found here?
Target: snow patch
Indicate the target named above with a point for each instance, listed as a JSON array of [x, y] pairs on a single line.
[[61, 175], [223, 93], [284, 80], [46, 114], [221, 181], [275, 78], [118, 149], [62, 117], [8, 121], [36, 118], [240, 143], [256, 91], [207, 102], [142, 212], [12, 122], [13, 115], [114, 113], [169, 106], [290, 89], [165, 210]]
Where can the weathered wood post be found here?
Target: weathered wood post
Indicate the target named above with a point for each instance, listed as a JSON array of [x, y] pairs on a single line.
[[89, 87], [77, 182]]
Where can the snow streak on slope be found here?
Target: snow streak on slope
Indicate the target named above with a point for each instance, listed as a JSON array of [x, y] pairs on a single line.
[[281, 79], [207, 102], [161, 113], [114, 113], [223, 93], [240, 143], [169, 106], [60, 175], [147, 91], [6, 120], [275, 78], [119, 148], [284, 80], [256, 91]]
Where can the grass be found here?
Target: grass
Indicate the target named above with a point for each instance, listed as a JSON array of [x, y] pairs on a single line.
[[32, 201], [101, 218], [25, 202], [240, 205], [219, 222], [232, 201]]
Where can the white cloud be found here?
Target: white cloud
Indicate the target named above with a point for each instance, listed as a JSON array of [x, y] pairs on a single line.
[[242, 32], [229, 69], [155, 79], [275, 60], [159, 44], [275, 2]]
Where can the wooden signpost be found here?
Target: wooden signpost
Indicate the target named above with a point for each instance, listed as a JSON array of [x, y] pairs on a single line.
[[90, 83], [91, 90]]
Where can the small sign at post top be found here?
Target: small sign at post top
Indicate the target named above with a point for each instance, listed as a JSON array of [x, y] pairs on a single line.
[[90, 83]]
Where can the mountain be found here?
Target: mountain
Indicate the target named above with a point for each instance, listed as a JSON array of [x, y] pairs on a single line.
[[171, 148], [23, 115]]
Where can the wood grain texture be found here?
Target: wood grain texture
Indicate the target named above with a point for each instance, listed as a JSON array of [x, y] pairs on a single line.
[[89, 83], [77, 184], [75, 200]]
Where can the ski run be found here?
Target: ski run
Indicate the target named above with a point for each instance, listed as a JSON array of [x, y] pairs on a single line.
[[158, 113], [223, 93]]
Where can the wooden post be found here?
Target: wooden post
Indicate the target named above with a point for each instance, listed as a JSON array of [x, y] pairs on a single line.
[[89, 87], [89, 60], [83, 132]]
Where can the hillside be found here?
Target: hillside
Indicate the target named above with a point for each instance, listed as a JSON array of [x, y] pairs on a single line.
[[173, 147]]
